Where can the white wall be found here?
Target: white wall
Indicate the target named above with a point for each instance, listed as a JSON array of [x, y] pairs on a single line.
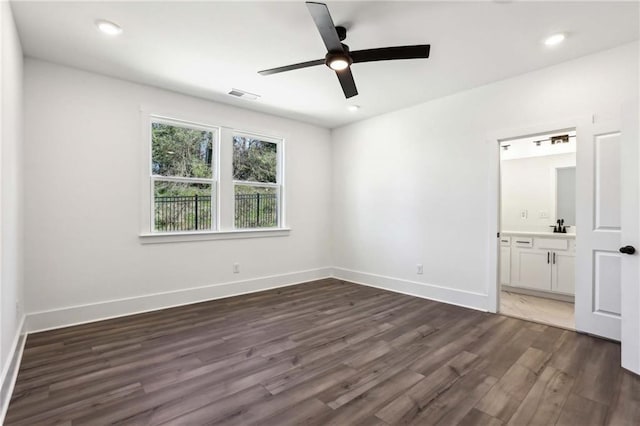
[[530, 184], [413, 186], [82, 221], [410, 187], [11, 277]]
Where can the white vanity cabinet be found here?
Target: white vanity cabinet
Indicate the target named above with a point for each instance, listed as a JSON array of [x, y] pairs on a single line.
[[531, 269], [540, 263], [563, 272], [505, 260]]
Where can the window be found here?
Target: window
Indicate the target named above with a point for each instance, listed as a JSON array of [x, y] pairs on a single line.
[[183, 171], [204, 182], [256, 181]]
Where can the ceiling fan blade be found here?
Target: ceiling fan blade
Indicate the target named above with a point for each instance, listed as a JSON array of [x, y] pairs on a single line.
[[322, 18], [346, 81], [391, 53], [292, 67]]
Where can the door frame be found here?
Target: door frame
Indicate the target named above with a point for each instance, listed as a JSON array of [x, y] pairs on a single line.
[[494, 139]]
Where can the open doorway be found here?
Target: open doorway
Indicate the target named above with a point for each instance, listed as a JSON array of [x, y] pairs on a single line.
[[538, 228]]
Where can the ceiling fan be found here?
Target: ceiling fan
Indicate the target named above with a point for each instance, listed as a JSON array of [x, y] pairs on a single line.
[[338, 56]]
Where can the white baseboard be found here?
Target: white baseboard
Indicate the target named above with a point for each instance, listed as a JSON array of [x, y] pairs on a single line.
[[448, 295], [74, 315], [11, 367]]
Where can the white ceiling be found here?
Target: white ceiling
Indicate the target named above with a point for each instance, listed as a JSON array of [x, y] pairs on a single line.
[[207, 48]]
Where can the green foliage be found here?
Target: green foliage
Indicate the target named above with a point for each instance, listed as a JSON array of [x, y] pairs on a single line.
[[180, 189], [254, 160], [181, 152]]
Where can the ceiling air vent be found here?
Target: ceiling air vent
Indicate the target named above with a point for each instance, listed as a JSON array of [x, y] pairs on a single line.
[[244, 95], [559, 139]]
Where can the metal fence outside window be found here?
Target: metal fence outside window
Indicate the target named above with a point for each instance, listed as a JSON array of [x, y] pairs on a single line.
[[192, 213], [256, 210]]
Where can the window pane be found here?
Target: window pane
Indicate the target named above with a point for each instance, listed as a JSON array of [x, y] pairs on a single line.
[[256, 207], [254, 160], [182, 206], [181, 152]]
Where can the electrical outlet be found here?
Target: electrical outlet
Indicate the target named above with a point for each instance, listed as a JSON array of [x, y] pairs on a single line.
[[543, 214], [524, 214], [419, 269], [236, 268]]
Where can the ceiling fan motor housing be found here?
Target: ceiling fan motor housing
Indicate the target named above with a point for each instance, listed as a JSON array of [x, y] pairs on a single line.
[[338, 56]]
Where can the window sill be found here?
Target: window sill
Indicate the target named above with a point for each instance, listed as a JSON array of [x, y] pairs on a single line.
[[178, 237]]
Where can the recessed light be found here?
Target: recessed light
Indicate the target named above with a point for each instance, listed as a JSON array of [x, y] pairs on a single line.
[[353, 108], [555, 39], [108, 27]]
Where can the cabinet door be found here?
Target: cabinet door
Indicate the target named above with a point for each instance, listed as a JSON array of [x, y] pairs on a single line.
[[563, 272], [531, 269], [505, 265]]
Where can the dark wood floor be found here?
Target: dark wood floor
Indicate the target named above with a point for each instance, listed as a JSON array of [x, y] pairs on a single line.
[[322, 353]]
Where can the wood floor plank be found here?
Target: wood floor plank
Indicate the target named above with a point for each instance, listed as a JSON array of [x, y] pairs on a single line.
[[594, 383], [507, 395], [305, 412], [625, 409], [476, 417], [543, 404], [326, 352], [581, 411], [361, 408], [253, 413], [453, 405], [367, 377], [407, 406]]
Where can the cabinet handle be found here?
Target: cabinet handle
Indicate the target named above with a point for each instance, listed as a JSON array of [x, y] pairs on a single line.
[[548, 254], [554, 257], [523, 242]]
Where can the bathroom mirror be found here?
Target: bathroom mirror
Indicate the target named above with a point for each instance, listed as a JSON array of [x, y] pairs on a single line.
[[566, 195], [538, 182]]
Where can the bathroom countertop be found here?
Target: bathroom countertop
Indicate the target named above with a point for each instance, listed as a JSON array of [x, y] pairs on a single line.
[[549, 234]]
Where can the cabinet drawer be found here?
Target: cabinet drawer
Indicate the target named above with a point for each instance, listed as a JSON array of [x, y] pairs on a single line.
[[552, 243], [523, 242], [505, 241]]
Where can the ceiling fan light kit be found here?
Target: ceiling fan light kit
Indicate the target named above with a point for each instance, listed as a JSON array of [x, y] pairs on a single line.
[[338, 61], [338, 56]]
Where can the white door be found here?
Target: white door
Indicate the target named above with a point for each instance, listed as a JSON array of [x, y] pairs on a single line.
[[630, 216], [598, 229]]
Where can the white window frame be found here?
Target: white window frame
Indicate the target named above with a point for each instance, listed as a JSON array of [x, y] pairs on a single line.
[[222, 184], [213, 181], [278, 185]]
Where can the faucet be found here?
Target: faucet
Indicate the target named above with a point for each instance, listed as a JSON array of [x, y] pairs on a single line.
[[559, 228]]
